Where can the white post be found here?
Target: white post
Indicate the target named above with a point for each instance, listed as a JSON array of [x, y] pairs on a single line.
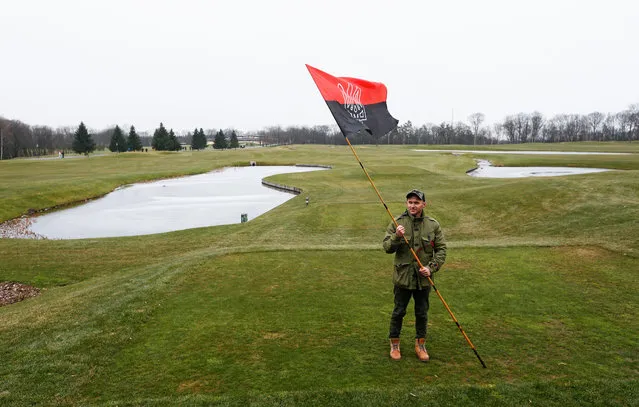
[[1, 142]]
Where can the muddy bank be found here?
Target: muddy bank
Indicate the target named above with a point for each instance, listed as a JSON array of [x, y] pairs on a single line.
[[19, 228]]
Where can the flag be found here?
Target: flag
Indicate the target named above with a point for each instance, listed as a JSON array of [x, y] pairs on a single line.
[[357, 105]]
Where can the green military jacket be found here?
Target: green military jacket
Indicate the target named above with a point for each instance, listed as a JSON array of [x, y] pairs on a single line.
[[426, 238]]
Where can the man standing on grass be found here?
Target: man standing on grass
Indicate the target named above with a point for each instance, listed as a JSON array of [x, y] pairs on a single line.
[[425, 237]]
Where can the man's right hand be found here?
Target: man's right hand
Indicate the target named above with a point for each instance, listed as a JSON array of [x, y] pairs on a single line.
[[400, 231]]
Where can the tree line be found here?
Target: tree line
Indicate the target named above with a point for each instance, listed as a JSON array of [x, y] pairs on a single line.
[[514, 129], [18, 139]]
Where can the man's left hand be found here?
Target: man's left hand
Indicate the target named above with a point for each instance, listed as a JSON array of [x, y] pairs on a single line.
[[424, 271]]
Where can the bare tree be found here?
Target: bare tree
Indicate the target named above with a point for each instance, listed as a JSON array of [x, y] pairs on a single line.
[[522, 127], [498, 131], [509, 128], [462, 134], [476, 119], [632, 115], [609, 128], [594, 122], [537, 124], [406, 132], [552, 130]]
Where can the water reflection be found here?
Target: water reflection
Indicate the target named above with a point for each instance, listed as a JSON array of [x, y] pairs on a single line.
[[215, 198], [486, 170]]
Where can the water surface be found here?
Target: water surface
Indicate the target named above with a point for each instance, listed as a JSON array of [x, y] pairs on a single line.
[[486, 170], [522, 152], [214, 198]]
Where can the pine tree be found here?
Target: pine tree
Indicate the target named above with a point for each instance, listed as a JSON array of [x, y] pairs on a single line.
[[203, 143], [194, 142], [204, 140], [133, 141], [82, 141], [173, 143], [220, 141], [199, 140], [118, 143], [160, 141], [234, 143]]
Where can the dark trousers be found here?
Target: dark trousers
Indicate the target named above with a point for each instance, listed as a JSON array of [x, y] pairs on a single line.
[[402, 298]]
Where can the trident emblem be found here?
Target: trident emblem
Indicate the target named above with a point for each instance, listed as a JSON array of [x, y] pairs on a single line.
[[352, 101]]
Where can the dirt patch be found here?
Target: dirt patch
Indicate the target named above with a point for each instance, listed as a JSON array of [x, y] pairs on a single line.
[[13, 292]]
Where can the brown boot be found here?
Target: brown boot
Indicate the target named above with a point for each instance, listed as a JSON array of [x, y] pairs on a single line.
[[420, 350], [395, 354]]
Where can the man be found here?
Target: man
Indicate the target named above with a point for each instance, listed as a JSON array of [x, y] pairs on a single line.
[[425, 237]]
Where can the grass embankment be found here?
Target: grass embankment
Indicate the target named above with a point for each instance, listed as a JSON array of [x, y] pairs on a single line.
[[292, 307]]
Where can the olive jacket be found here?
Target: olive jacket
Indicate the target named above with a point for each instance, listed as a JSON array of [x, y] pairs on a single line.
[[426, 238]]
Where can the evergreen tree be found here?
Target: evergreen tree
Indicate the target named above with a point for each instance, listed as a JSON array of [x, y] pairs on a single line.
[[204, 140], [194, 142], [82, 141], [161, 139], [220, 141], [118, 143], [133, 141], [174, 143], [234, 143], [199, 140]]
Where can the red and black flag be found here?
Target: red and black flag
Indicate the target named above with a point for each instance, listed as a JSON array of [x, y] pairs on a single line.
[[356, 104]]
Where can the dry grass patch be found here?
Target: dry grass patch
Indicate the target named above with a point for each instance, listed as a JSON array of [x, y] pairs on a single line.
[[273, 335], [458, 265], [588, 253]]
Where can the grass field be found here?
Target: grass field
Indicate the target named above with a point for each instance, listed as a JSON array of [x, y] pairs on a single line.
[[292, 308]]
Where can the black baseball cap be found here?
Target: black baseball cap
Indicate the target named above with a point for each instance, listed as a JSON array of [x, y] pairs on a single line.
[[419, 194]]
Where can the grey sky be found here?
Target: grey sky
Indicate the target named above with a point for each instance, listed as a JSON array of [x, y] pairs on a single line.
[[218, 64]]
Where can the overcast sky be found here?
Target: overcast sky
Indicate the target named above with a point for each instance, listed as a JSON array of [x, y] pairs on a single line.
[[231, 63]]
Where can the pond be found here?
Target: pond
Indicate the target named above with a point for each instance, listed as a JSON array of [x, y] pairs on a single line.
[[215, 198], [486, 170], [521, 152]]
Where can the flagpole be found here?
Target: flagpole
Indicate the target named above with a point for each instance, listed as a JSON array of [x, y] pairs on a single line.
[[430, 281]]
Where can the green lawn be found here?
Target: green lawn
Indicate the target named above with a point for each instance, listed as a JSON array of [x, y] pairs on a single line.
[[292, 307]]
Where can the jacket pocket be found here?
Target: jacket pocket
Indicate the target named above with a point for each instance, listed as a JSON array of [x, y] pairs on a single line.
[[428, 245], [428, 250], [403, 275]]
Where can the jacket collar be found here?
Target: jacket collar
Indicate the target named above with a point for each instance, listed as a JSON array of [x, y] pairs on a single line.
[[414, 217]]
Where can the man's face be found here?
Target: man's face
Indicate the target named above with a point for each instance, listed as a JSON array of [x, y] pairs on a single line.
[[415, 205]]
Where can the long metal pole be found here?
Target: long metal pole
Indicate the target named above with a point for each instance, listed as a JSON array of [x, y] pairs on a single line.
[[1, 143], [430, 281]]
